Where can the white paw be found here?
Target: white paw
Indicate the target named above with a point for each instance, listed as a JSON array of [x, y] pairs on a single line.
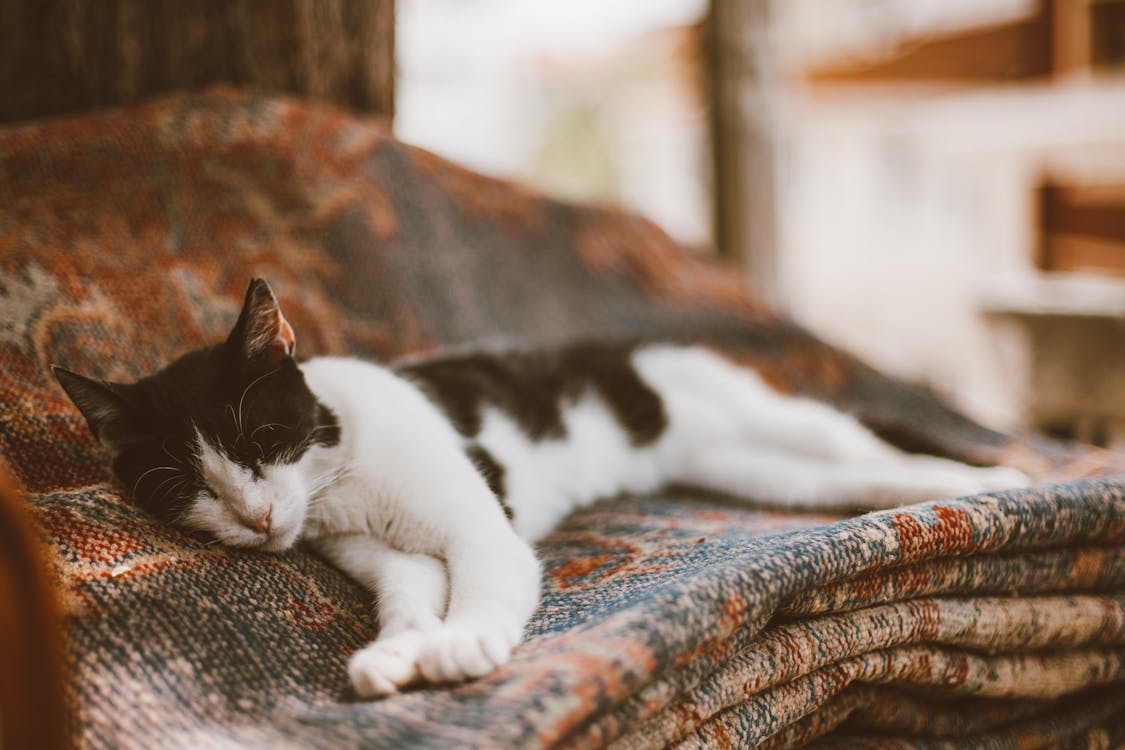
[[386, 665], [923, 487], [974, 481], [459, 652]]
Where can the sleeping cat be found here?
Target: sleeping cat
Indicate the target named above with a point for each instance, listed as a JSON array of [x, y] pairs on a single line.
[[427, 482]]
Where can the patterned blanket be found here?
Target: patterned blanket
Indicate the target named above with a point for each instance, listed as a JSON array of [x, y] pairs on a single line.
[[127, 237]]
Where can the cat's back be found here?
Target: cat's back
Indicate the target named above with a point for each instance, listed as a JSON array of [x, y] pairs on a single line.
[[347, 378], [534, 387], [558, 427], [372, 401]]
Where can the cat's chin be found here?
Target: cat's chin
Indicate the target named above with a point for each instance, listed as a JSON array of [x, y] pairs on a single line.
[[279, 542], [275, 545]]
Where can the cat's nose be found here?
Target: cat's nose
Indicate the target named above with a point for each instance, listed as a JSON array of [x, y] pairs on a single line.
[[260, 522]]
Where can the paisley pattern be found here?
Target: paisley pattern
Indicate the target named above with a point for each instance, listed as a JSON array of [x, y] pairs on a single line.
[[127, 237]]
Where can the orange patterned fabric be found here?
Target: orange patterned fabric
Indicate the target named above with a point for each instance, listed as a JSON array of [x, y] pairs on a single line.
[[127, 237]]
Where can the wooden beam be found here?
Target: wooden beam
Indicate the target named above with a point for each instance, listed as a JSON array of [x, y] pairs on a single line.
[[742, 84], [64, 56], [1106, 23], [1031, 47]]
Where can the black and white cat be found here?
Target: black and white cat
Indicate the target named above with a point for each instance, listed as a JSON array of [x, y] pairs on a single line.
[[427, 482]]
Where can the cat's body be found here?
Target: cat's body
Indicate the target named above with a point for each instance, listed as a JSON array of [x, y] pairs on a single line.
[[427, 483]]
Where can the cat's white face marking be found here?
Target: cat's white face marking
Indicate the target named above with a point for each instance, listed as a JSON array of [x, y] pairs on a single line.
[[244, 510]]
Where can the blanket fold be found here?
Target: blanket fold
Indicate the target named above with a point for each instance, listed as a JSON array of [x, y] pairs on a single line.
[[665, 622], [903, 619]]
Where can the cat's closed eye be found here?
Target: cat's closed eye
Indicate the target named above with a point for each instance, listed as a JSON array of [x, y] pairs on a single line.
[[269, 431]]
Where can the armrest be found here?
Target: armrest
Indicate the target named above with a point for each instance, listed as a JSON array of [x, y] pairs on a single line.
[[33, 711]]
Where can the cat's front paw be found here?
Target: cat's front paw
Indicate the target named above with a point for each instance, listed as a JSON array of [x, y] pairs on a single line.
[[384, 666], [463, 651]]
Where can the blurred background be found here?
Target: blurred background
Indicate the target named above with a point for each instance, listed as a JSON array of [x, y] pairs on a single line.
[[935, 185]]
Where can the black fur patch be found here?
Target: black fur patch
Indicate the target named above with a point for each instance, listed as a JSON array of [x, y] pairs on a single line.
[[245, 396], [533, 386], [493, 474], [258, 414]]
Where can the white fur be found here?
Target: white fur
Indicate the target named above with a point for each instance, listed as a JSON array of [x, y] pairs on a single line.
[[399, 506], [238, 500], [547, 480], [730, 432], [406, 481]]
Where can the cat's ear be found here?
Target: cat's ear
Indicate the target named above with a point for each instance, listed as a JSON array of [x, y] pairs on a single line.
[[262, 334], [104, 406]]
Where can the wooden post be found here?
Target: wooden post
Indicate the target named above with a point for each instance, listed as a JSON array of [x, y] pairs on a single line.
[[742, 88], [63, 56], [33, 703], [1070, 34]]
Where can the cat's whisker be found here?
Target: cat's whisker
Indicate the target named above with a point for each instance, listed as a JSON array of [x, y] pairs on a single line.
[[155, 468], [193, 458], [164, 447], [166, 481], [328, 478], [318, 479], [247, 390], [168, 492], [172, 490], [294, 451], [324, 481], [270, 424], [170, 480], [305, 442], [233, 418], [321, 481]]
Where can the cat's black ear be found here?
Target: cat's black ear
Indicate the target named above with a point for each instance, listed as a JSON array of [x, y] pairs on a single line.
[[262, 334], [104, 406]]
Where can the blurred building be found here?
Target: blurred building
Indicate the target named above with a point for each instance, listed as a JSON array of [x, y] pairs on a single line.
[[585, 99], [951, 202]]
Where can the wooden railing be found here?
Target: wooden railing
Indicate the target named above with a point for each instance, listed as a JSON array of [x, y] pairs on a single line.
[[1057, 37], [1081, 228]]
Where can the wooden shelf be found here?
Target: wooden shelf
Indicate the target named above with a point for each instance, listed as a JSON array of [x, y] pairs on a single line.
[[1081, 228], [1057, 37], [1056, 295]]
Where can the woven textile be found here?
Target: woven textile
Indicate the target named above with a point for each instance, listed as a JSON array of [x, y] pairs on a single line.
[[129, 236]]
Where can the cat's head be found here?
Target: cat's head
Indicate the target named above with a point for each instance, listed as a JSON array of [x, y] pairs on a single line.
[[221, 440]]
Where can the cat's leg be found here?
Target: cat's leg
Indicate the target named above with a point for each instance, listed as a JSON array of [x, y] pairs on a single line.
[[493, 590], [990, 477], [711, 401], [800, 481], [493, 574], [411, 591], [710, 398], [819, 431]]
